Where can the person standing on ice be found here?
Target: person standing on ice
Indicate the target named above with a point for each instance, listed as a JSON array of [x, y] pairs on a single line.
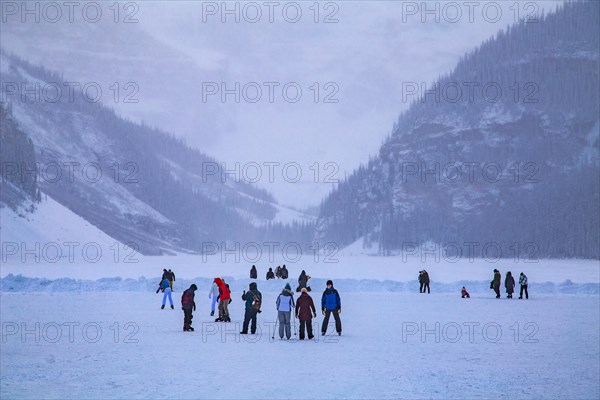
[[305, 311], [170, 275], [164, 286], [285, 305], [278, 272], [214, 295], [270, 274], [426, 281], [420, 281], [331, 303], [253, 272], [224, 300], [509, 284], [188, 305], [284, 272], [253, 299], [523, 284], [495, 283]]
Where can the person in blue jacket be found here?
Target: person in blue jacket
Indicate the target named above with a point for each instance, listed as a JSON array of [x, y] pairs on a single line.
[[165, 286], [331, 303]]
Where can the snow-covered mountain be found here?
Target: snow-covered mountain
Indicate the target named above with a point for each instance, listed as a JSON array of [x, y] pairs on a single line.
[[504, 150], [137, 184]]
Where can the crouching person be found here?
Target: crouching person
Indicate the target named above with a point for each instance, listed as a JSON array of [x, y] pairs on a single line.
[[305, 311], [188, 305], [464, 293]]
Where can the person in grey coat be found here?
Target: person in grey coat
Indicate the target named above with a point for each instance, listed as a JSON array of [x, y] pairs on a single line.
[[285, 305], [495, 283], [509, 284]]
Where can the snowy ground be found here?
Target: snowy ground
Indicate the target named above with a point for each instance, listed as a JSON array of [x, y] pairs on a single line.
[[395, 343]]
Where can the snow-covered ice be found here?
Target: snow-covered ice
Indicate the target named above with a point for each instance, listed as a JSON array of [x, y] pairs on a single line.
[[104, 337]]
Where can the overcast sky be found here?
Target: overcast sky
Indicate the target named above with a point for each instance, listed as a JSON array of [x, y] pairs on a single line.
[[361, 59]]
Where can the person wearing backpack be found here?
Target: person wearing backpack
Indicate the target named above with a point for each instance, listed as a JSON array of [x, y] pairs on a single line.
[[331, 303], [523, 283], [284, 272], [253, 272], [164, 286], [285, 304], [224, 300], [305, 311], [509, 284], [188, 305], [253, 299]]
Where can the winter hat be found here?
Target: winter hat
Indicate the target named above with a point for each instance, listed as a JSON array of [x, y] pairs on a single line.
[[288, 287], [304, 290], [495, 270], [194, 287], [253, 286], [330, 282]]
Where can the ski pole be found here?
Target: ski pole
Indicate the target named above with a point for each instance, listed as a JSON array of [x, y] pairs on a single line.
[[295, 333], [274, 329]]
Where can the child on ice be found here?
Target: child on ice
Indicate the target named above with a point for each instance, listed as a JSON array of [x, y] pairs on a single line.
[[464, 293]]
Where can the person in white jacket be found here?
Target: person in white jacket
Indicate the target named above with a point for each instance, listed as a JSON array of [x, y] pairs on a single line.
[[285, 305], [214, 295]]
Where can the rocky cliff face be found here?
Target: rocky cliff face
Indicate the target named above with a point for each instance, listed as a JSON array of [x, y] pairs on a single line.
[[503, 150]]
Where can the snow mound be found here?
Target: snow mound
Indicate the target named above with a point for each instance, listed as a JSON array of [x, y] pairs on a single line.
[[20, 283]]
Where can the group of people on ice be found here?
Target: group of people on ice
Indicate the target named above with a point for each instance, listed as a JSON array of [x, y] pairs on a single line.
[[166, 285], [280, 273], [509, 284], [303, 308]]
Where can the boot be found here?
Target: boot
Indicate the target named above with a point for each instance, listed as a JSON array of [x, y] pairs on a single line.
[[218, 319], [172, 308], [212, 313], [162, 307], [190, 329]]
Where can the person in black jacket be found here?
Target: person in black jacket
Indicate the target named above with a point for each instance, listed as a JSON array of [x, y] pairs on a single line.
[[253, 272], [188, 305], [270, 274], [284, 272], [426, 282], [509, 284], [303, 282]]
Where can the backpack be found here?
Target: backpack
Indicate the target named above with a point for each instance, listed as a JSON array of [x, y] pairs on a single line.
[[256, 301]]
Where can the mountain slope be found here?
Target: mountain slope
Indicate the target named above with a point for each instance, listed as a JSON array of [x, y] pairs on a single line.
[[518, 170], [137, 184]]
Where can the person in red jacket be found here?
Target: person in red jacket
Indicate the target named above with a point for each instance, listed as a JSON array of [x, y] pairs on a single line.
[[224, 300], [305, 311], [188, 305]]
